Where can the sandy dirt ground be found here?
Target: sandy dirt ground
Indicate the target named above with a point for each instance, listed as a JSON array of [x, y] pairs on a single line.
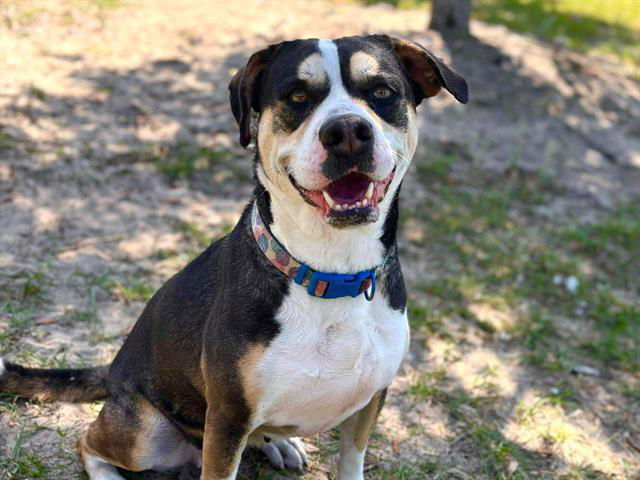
[[119, 161]]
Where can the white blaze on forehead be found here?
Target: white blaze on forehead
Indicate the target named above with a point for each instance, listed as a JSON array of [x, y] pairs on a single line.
[[329, 52], [312, 69], [338, 101], [362, 65]]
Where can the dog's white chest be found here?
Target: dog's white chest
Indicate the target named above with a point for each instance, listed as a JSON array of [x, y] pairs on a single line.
[[329, 359]]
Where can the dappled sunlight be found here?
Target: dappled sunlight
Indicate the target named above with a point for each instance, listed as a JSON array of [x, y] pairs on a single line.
[[542, 423], [482, 371], [46, 219], [499, 319], [143, 244]]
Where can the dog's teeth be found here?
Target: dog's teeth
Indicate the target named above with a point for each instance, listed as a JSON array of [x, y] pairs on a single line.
[[365, 202], [328, 199], [337, 207], [358, 204], [369, 192], [345, 206]]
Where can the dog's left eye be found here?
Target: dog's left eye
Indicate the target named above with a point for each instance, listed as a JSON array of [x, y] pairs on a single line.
[[298, 96], [382, 92]]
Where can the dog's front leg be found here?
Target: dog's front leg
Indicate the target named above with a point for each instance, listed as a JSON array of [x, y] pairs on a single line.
[[354, 435], [225, 436]]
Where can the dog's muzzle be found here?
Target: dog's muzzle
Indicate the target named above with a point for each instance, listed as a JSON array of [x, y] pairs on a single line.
[[353, 191]]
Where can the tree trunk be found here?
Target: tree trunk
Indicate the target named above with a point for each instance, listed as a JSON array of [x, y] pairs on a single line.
[[450, 15]]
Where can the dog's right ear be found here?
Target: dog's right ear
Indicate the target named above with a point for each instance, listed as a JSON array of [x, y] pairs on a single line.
[[244, 90], [428, 72]]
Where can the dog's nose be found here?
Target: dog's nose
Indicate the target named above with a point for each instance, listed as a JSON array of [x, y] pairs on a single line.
[[346, 135]]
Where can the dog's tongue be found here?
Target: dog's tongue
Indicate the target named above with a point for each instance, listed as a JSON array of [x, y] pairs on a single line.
[[349, 189]]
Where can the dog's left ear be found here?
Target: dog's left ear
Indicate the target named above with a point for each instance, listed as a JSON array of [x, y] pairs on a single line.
[[428, 72], [244, 90]]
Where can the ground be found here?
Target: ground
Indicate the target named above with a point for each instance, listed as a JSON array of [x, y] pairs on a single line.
[[119, 162]]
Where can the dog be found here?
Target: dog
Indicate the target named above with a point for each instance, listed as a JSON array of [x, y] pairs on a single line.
[[296, 321]]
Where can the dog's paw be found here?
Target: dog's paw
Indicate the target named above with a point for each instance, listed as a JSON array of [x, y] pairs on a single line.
[[288, 453]]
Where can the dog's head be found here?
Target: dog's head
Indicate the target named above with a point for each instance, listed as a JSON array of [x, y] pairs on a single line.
[[337, 123]]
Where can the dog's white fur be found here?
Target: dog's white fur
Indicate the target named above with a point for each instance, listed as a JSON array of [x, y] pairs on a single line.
[[331, 356], [98, 469], [329, 359], [2, 369]]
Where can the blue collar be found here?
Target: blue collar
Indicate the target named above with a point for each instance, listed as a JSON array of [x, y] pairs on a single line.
[[318, 284]]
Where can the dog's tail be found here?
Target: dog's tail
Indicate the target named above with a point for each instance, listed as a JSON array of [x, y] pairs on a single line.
[[41, 384]]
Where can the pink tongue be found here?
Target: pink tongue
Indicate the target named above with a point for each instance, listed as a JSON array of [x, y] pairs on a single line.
[[349, 189]]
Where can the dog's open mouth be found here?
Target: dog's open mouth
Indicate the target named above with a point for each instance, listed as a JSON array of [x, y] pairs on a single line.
[[350, 199]]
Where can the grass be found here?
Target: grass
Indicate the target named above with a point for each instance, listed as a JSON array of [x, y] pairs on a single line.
[[7, 141], [19, 465], [106, 4], [601, 26], [22, 293], [130, 289], [184, 161], [193, 232], [483, 229], [501, 458], [409, 471], [429, 384], [196, 240], [610, 27], [485, 238], [25, 286], [612, 244]]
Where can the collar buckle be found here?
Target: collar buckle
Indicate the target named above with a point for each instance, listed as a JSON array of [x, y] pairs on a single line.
[[336, 285]]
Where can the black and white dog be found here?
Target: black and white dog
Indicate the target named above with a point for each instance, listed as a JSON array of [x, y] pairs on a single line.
[[296, 321]]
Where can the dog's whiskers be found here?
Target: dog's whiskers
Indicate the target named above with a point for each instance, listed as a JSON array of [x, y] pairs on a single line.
[[401, 157]]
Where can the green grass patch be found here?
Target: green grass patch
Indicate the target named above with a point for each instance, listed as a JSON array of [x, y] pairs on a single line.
[[495, 249], [21, 294], [131, 289], [185, 161], [497, 454], [26, 286], [436, 165], [611, 244], [107, 4], [41, 359], [135, 290], [407, 471], [7, 142], [87, 315], [197, 238], [618, 340], [428, 385], [582, 472], [192, 231], [20, 465], [425, 319], [601, 26]]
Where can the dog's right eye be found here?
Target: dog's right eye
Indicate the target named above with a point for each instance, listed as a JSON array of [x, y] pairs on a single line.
[[298, 96], [382, 92]]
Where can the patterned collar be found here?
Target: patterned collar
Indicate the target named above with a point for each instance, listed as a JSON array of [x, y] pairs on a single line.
[[318, 284]]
